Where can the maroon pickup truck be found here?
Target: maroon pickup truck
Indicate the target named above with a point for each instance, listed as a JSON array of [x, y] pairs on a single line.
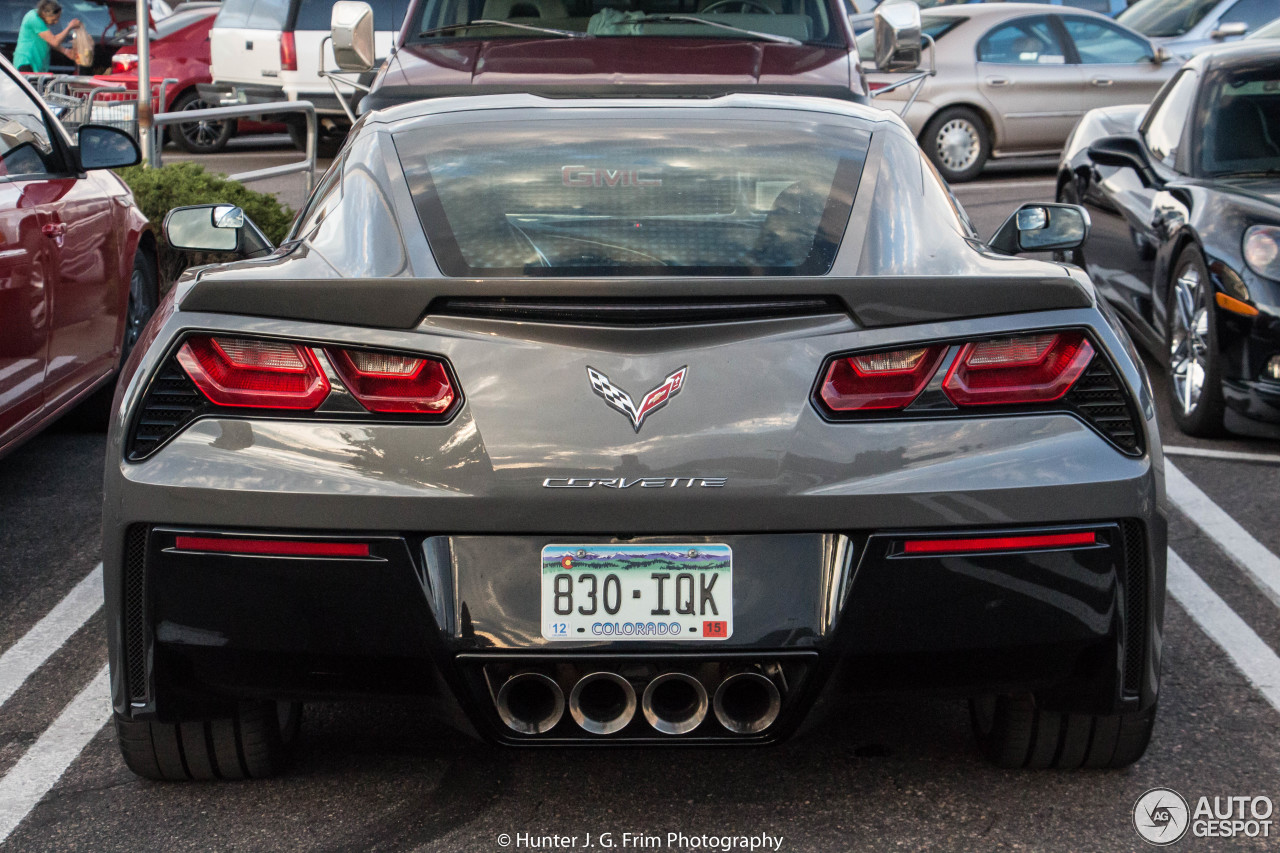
[[602, 47]]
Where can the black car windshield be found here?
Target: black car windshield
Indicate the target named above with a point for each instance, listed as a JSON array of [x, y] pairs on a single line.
[[1242, 123], [808, 21], [1165, 18], [634, 197]]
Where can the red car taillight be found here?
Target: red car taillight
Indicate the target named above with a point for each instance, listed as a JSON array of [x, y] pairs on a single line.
[[288, 52], [254, 373], [123, 63], [882, 380], [384, 382], [1008, 371]]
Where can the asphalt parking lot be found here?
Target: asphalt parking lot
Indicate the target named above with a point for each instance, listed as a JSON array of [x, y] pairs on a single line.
[[876, 775]]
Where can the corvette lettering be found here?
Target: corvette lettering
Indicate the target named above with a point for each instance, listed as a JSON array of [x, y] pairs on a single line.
[[650, 403], [638, 482]]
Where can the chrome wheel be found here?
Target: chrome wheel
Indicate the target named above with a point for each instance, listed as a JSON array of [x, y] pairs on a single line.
[[203, 133], [1189, 339], [958, 144]]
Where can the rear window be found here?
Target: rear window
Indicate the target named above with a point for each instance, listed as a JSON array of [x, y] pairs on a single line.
[[627, 197], [254, 14], [316, 14]]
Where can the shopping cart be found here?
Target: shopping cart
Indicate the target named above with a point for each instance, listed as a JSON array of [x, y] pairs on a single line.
[[89, 100]]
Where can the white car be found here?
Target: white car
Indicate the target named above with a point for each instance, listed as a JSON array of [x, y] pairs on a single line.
[[266, 51], [1184, 26]]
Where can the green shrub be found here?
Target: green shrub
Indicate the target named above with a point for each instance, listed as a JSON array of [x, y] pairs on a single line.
[[157, 191]]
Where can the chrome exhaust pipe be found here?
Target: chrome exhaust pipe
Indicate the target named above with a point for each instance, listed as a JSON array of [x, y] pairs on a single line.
[[747, 703], [674, 703], [530, 703], [602, 702]]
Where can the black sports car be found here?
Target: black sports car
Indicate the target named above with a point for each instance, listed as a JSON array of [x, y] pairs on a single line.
[[1185, 201]]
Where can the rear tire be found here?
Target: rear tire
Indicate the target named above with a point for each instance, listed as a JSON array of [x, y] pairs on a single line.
[[253, 744], [958, 143], [1013, 732]]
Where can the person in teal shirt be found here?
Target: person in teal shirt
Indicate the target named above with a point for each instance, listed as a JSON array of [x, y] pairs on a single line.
[[36, 36]]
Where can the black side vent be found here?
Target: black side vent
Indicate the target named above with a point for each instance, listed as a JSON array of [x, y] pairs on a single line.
[[135, 585], [636, 312], [171, 403], [1135, 608], [1100, 399]]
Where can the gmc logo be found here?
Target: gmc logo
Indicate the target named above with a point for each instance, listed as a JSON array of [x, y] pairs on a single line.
[[581, 176]]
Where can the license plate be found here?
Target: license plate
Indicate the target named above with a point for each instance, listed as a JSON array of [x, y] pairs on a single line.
[[637, 592]]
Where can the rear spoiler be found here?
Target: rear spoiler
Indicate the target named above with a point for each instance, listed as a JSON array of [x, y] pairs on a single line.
[[402, 303], [390, 96]]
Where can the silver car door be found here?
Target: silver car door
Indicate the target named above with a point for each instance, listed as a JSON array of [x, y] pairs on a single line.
[[1023, 72], [1119, 66]]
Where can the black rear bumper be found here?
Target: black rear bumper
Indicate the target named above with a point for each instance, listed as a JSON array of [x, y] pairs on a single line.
[[1078, 626]]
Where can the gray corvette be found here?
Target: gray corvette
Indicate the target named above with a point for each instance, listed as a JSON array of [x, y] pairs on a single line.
[[632, 421]]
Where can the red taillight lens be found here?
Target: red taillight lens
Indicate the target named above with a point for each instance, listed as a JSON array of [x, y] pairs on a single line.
[[254, 373], [384, 382], [288, 52], [999, 543], [123, 63], [882, 380], [271, 547], [875, 87], [1027, 369]]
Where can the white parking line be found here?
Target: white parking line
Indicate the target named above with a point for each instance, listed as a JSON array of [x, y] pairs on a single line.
[[42, 766], [1262, 567], [1232, 455], [1251, 655], [50, 633]]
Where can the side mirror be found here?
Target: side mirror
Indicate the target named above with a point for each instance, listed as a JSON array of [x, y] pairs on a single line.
[[1231, 30], [1124, 151], [213, 228], [898, 41], [1160, 55], [102, 147], [1042, 228], [351, 26]]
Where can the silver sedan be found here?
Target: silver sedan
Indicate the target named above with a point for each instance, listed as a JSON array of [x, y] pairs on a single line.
[[1014, 78]]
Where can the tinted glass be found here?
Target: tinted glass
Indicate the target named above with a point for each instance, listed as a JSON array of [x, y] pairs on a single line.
[[25, 148], [1242, 123], [1254, 13], [1100, 42], [809, 21], [1164, 130], [1102, 7], [931, 25], [1162, 18], [253, 14], [1026, 41], [180, 20], [316, 14], [631, 197]]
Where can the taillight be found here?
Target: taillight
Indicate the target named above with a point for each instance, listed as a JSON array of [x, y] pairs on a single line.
[[288, 52], [882, 380], [875, 87], [254, 373], [1026, 369], [123, 63], [385, 382]]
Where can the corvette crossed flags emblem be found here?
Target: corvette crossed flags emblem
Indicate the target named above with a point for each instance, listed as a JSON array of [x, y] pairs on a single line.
[[621, 400]]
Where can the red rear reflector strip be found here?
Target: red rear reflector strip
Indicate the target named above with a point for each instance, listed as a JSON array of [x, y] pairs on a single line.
[[272, 547], [998, 543]]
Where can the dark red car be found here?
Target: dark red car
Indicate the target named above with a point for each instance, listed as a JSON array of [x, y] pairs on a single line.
[[180, 51], [452, 47], [77, 264]]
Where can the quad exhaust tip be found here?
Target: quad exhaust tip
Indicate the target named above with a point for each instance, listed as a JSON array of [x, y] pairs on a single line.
[[602, 702], [530, 703], [675, 703], [747, 703]]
